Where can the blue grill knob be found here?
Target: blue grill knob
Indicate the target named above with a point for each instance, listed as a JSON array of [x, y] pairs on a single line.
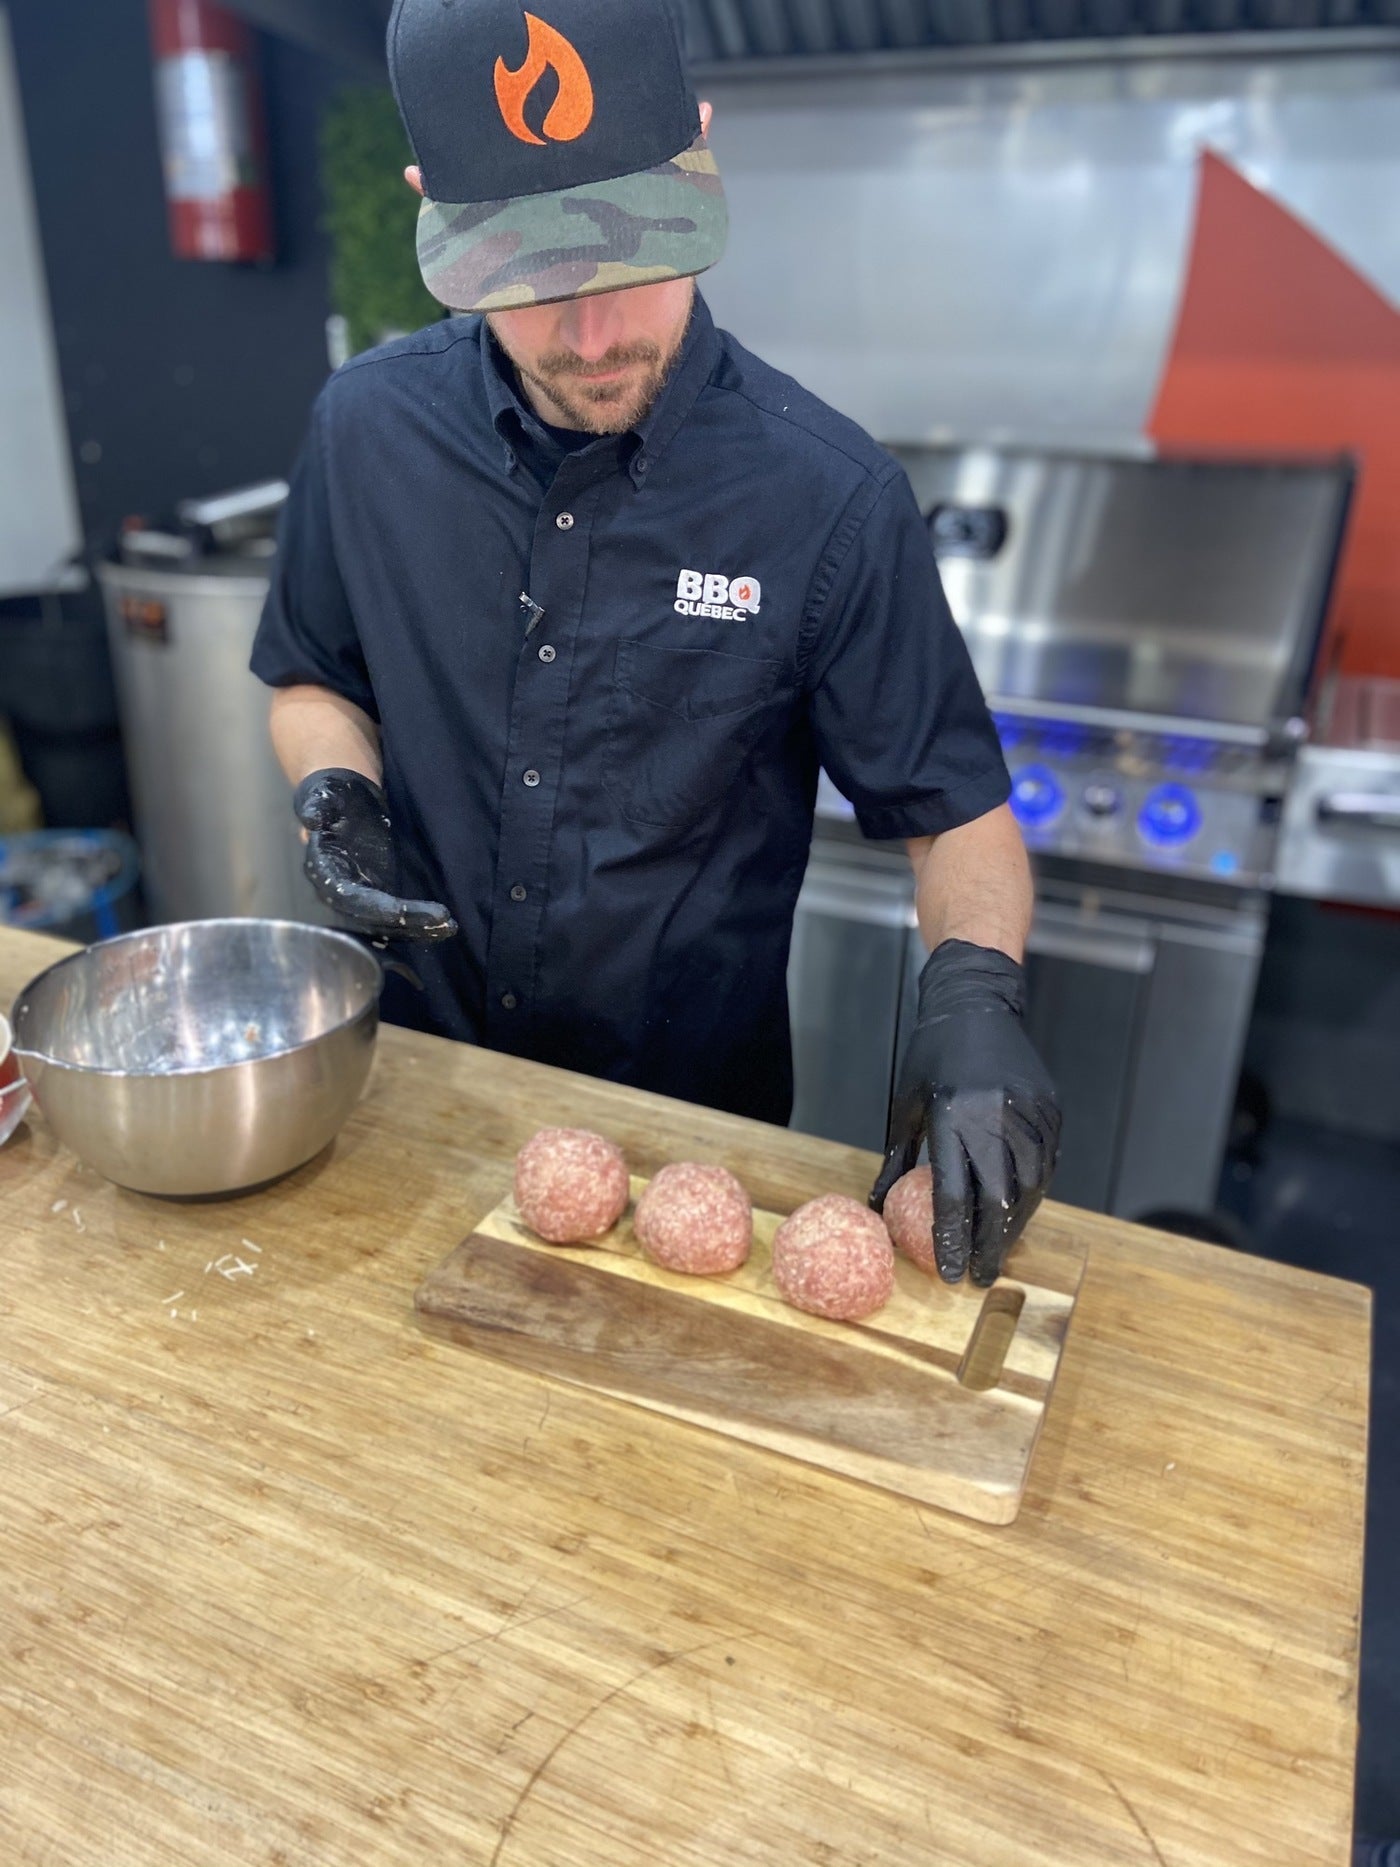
[[1036, 796], [1169, 816]]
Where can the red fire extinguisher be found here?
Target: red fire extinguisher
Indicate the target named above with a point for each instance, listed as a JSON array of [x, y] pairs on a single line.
[[212, 137]]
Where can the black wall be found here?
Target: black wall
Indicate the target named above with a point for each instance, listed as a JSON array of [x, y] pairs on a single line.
[[181, 377]]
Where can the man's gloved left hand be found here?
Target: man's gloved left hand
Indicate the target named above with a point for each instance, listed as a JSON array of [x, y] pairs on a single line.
[[972, 1081], [349, 858]]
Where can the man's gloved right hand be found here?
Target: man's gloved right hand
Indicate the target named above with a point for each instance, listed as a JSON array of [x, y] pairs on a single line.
[[349, 859]]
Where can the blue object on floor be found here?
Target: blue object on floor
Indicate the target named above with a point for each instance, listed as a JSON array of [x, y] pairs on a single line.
[[77, 883]]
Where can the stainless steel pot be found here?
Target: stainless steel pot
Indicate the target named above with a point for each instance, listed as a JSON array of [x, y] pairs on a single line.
[[204, 1057], [213, 808]]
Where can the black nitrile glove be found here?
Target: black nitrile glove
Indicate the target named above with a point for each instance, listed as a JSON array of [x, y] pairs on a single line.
[[349, 859], [972, 1080]]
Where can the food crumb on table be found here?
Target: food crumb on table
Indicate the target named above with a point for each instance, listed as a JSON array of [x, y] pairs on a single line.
[[238, 1268]]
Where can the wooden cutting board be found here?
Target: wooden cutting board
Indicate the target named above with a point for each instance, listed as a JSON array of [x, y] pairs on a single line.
[[939, 1396]]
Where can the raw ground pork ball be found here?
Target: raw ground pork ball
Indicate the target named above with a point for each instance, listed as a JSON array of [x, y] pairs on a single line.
[[695, 1219], [571, 1186], [909, 1217], [833, 1257]]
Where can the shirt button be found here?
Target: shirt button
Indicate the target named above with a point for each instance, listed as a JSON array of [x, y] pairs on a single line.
[[518, 892], [641, 463], [565, 521], [509, 1001], [532, 778], [547, 653]]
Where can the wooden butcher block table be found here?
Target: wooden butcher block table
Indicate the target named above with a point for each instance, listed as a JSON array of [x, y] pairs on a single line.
[[286, 1579]]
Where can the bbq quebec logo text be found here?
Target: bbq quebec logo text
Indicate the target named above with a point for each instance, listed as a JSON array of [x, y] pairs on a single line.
[[727, 599]]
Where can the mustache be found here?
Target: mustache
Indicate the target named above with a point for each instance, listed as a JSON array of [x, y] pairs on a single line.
[[558, 363]]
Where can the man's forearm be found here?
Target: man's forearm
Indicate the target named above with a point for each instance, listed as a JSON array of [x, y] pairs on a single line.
[[974, 883], [314, 730]]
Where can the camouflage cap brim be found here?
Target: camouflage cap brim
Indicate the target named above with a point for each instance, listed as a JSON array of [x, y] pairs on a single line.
[[661, 223]]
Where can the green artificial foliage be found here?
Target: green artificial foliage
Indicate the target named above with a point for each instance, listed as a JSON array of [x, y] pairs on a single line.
[[370, 217]]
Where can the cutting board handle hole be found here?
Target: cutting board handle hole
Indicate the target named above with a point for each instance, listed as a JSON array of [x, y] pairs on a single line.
[[985, 1354]]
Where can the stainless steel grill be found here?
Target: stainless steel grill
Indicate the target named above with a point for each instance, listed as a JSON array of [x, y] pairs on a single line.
[[1145, 631]]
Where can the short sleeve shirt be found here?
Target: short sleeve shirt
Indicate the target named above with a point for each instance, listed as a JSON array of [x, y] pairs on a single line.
[[606, 678]]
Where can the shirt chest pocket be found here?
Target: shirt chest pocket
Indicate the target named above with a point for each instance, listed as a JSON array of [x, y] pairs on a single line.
[[680, 724]]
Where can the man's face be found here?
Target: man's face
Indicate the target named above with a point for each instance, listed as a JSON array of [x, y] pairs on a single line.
[[597, 363]]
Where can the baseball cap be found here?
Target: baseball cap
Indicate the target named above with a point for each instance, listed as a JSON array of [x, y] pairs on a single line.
[[560, 149]]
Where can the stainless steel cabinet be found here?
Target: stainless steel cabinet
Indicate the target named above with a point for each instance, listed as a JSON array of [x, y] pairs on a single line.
[[1139, 1004], [845, 987]]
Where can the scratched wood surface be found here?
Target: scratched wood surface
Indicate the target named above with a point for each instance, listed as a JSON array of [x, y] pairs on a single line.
[[925, 1398], [286, 1581]]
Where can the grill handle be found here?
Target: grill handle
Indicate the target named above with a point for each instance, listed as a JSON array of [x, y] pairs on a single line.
[[1367, 810]]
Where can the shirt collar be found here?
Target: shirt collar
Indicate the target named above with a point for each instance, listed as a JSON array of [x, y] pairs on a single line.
[[502, 398], [657, 428]]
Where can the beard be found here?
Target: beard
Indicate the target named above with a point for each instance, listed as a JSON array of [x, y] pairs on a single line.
[[564, 381]]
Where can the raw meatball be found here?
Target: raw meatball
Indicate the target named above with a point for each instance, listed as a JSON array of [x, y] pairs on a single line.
[[695, 1219], [909, 1217], [833, 1257], [570, 1186]]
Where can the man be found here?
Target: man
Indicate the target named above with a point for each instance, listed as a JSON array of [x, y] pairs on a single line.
[[575, 595]]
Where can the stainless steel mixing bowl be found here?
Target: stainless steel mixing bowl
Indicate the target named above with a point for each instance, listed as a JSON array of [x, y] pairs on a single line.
[[204, 1057]]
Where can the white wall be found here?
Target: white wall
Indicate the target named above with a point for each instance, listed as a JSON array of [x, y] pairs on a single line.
[[39, 527], [1001, 253]]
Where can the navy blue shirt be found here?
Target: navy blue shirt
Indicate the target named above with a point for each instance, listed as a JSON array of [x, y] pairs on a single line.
[[606, 678]]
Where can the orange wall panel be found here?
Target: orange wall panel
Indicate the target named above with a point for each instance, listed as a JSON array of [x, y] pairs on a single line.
[[1282, 347]]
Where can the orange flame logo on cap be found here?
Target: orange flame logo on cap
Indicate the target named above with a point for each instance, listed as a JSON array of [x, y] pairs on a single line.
[[572, 110]]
